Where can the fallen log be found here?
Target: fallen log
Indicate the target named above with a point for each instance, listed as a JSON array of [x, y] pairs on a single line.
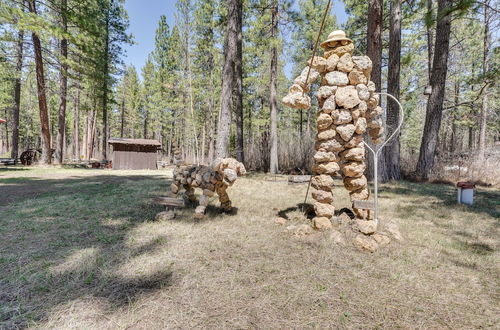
[[294, 179], [168, 201]]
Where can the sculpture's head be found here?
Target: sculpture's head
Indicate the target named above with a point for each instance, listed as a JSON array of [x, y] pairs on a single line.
[[229, 168], [337, 43]]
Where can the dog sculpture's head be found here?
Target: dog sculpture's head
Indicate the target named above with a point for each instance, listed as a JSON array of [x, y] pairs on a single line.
[[229, 168]]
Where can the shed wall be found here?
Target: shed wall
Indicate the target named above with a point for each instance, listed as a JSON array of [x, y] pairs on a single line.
[[133, 160]]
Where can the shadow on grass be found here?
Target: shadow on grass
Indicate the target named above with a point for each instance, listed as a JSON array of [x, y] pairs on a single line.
[[308, 210], [44, 222], [484, 201], [12, 169]]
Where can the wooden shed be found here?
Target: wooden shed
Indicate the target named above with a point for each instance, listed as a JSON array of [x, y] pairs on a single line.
[[134, 154]]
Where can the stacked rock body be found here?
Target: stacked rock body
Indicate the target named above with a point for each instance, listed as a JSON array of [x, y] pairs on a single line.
[[349, 107]]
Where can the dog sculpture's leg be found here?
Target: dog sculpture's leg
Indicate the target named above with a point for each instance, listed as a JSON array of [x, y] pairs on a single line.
[[190, 193], [225, 202], [199, 213]]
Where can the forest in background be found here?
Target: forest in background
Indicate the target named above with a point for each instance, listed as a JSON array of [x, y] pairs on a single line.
[[215, 79]]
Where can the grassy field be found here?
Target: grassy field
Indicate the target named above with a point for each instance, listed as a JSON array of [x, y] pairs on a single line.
[[81, 249]]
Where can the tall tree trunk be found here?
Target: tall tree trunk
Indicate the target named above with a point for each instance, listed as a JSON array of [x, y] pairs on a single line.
[[61, 119], [484, 104], [17, 93], [391, 153], [238, 84], [76, 131], [224, 124], [430, 38], [434, 111], [42, 99], [374, 51], [374, 40], [105, 86], [145, 128], [273, 103], [454, 115], [122, 121]]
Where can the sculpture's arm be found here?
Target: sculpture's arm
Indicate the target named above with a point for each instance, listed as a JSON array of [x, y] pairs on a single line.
[[297, 97]]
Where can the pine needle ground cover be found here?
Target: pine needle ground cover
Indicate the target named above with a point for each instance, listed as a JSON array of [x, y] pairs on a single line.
[[81, 249]]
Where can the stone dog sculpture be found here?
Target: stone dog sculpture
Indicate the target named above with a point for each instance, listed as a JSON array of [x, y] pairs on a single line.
[[217, 177], [349, 107]]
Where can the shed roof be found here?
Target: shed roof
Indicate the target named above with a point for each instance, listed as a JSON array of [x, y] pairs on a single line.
[[142, 142]]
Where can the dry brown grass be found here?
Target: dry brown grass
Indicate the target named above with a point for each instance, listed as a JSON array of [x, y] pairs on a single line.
[[89, 255]]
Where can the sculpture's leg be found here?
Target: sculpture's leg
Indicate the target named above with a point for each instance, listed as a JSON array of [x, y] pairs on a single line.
[[225, 202], [325, 167], [203, 203], [353, 168], [190, 193]]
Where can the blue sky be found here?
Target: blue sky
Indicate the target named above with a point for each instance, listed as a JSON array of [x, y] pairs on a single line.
[[144, 19]]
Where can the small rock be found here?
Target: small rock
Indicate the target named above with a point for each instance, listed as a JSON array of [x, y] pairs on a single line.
[[363, 92], [371, 87], [346, 131], [331, 62], [393, 229], [362, 63], [322, 157], [330, 168], [353, 184], [357, 77], [353, 169], [360, 195], [198, 215], [295, 88], [323, 182], [367, 226], [329, 105], [361, 125], [373, 101], [281, 221], [322, 223], [341, 116], [318, 63], [303, 230], [325, 92], [375, 112], [337, 237], [165, 215], [327, 134], [324, 209], [336, 78], [365, 243], [291, 228], [324, 121], [330, 145], [381, 240], [345, 63], [322, 196], [344, 218], [356, 140], [357, 154], [347, 97]]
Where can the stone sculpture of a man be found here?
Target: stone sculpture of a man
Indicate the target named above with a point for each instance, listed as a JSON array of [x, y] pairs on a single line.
[[349, 107]]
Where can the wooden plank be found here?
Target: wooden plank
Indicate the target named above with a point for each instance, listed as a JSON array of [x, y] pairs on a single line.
[[292, 179], [167, 201], [364, 205]]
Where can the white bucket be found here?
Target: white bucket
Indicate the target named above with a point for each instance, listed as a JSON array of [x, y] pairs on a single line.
[[465, 193], [467, 197]]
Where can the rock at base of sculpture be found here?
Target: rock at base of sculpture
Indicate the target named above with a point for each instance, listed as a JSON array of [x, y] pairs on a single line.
[[165, 215]]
